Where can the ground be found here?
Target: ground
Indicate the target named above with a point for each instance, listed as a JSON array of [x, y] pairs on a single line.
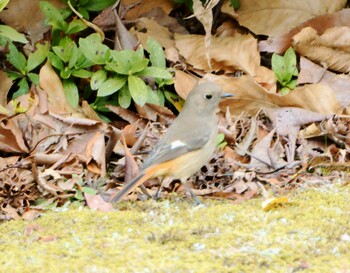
[[310, 233]]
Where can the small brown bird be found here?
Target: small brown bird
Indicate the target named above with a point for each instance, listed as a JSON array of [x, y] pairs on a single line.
[[188, 144]]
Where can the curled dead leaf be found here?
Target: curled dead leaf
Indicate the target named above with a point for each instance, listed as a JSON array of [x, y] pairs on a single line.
[[270, 203]]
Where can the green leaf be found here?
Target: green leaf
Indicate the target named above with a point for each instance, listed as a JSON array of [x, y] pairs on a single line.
[[3, 4], [72, 93], [127, 62], [111, 86], [55, 61], [84, 12], [66, 49], [285, 67], [65, 73], [175, 100], [153, 96], [53, 15], [155, 72], [156, 53], [82, 61], [76, 26], [285, 91], [17, 59], [97, 79], [236, 4], [124, 97], [34, 78], [94, 5], [93, 49], [290, 60], [161, 97], [292, 84], [23, 88], [61, 52], [75, 55], [14, 75], [38, 56], [81, 73], [12, 34], [138, 90]]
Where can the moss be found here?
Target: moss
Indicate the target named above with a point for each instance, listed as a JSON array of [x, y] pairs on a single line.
[[311, 232]]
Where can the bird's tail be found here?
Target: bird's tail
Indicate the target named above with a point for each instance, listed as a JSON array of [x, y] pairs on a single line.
[[137, 181]]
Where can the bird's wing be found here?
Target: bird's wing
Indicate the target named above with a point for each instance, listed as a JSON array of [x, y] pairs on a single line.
[[165, 151]]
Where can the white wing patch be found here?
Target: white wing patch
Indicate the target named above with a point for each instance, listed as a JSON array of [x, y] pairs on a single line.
[[177, 144]]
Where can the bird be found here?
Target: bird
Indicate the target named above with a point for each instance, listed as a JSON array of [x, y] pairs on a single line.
[[189, 142]]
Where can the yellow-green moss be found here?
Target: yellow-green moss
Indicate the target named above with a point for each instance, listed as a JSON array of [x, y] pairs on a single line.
[[312, 232]]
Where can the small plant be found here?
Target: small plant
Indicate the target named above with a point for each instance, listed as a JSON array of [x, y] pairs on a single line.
[[104, 76], [285, 68], [24, 74], [221, 143]]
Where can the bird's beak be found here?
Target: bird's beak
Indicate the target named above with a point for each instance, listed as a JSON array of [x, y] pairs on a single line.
[[227, 95]]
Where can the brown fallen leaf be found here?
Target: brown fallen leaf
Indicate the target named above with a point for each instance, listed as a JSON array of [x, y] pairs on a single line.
[[5, 86], [96, 154], [147, 27], [52, 85], [242, 47], [139, 7], [128, 115], [250, 97], [321, 23], [204, 15], [273, 18], [30, 214], [339, 83], [16, 16], [331, 48], [184, 83], [11, 137], [96, 202]]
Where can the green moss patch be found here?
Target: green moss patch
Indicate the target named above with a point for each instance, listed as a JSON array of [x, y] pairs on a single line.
[[311, 232]]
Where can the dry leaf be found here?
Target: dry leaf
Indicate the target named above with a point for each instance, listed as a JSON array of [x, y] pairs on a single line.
[[5, 86], [205, 16], [11, 138], [123, 38], [96, 154], [139, 7], [270, 203], [331, 48], [310, 72], [321, 23], [146, 27], [267, 154], [250, 97], [96, 202], [184, 83], [275, 17], [227, 53], [26, 16], [288, 119], [340, 84], [52, 85]]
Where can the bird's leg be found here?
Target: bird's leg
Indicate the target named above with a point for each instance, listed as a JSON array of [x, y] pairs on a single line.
[[145, 192], [166, 180], [194, 196]]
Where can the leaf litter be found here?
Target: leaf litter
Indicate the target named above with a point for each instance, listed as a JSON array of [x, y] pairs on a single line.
[[53, 154]]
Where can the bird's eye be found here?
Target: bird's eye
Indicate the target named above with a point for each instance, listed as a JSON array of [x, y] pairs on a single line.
[[208, 96]]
